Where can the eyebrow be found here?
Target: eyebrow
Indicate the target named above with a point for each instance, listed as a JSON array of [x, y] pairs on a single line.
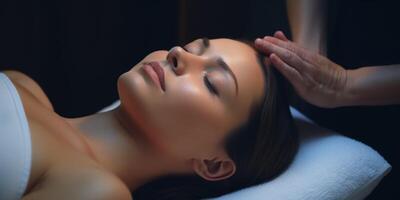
[[205, 45]]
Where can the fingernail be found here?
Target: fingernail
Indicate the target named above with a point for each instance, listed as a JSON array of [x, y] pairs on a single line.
[[258, 41], [267, 37], [282, 33]]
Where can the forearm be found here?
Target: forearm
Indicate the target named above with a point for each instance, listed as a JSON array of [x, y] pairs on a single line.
[[307, 20], [375, 85]]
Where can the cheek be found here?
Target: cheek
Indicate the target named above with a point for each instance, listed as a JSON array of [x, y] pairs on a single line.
[[190, 121], [191, 106]]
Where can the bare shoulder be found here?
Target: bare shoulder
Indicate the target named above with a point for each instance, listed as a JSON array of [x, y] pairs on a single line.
[[30, 85], [86, 184]]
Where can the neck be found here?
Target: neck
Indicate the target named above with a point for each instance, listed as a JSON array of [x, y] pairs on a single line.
[[120, 147]]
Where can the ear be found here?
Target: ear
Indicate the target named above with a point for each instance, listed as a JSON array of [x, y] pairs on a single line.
[[216, 169]]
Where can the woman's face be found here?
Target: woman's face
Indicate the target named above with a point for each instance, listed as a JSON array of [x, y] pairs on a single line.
[[210, 86]]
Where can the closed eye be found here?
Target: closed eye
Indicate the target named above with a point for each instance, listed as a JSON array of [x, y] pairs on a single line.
[[184, 48], [210, 86], [207, 81]]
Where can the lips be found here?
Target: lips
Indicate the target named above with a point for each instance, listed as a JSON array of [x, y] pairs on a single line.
[[156, 73]]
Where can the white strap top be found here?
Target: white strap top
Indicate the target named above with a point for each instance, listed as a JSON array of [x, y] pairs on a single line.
[[15, 143]]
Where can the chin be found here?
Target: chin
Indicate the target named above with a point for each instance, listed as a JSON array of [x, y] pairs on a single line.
[[135, 100], [132, 93], [131, 87]]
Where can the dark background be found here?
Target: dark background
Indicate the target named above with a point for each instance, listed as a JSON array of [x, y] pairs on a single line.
[[76, 50]]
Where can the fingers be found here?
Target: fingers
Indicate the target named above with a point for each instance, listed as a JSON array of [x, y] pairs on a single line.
[[302, 53], [280, 35], [286, 55], [289, 72]]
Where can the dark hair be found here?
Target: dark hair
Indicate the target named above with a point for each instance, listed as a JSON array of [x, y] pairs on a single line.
[[262, 148]]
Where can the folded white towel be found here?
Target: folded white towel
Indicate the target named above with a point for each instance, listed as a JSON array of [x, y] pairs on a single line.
[[328, 166]]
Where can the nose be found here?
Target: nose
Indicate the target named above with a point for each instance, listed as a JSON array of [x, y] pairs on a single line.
[[182, 61]]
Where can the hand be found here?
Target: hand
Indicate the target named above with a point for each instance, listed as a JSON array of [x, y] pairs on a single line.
[[315, 78]]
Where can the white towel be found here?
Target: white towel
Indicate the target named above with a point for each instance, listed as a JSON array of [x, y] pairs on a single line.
[[328, 166]]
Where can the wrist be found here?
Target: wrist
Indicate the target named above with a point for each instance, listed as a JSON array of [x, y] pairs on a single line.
[[349, 96]]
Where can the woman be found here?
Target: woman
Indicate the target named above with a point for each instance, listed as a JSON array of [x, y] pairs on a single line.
[[195, 122]]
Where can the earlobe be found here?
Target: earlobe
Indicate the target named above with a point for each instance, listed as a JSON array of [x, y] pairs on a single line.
[[214, 170]]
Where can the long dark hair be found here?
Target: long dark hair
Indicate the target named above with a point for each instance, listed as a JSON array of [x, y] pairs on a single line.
[[262, 148]]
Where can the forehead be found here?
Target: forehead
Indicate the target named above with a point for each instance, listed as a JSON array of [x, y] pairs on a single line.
[[242, 59]]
